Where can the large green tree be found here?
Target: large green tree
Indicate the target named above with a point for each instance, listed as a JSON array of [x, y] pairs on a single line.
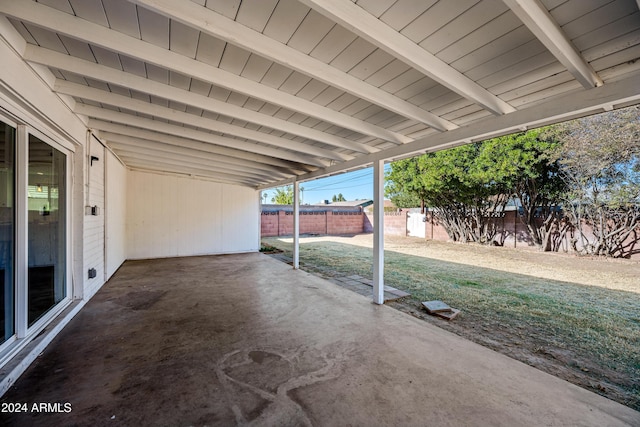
[[470, 185], [526, 162], [467, 196], [456, 185], [403, 184]]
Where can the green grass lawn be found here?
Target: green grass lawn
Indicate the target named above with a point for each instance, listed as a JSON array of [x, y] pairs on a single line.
[[591, 330]]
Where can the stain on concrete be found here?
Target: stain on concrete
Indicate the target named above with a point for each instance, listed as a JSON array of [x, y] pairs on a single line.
[[141, 300], [259, 384]]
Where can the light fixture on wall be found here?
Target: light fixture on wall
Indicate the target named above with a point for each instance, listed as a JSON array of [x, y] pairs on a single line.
[[39, 188]]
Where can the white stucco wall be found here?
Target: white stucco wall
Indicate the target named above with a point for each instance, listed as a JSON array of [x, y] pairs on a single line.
[[115, 214], [174, 216]]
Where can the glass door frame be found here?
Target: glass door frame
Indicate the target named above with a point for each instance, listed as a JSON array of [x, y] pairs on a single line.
[[22, 328], [22, 332]]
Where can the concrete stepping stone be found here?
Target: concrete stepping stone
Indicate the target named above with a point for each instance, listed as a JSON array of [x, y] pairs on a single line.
[[441, 309], [436, 306]]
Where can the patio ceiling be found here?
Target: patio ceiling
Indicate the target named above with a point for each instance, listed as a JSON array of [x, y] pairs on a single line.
[[257, 92]]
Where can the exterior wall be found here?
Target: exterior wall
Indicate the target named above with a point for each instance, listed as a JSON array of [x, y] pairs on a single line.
[[115, 214], [94, 224], [25, 94], [171, 216], [239, 210]]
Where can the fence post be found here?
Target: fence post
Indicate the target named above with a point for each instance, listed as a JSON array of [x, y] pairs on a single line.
[[432, 220], [406, 223], [515, 228]]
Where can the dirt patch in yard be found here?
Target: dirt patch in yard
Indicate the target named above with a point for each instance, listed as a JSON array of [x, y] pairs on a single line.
[[575, 318]]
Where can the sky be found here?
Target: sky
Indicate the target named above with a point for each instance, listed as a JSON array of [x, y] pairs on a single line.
[[353, 186]]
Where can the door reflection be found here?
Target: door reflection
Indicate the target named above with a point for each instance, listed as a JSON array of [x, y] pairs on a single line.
[[46, 229], [7, 230]]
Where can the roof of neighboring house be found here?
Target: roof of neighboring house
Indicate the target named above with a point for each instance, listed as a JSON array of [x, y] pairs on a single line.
[[311, 208], [387, 204], [361, 203]]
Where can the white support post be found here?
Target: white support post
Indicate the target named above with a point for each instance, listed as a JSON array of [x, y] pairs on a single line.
[[378, 231], [296, 224]]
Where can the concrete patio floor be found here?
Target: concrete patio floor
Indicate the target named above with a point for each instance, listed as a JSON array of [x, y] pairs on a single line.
[[244, 339]]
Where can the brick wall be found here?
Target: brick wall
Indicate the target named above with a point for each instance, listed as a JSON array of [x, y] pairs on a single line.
[[344, 222], [269, 224], [512, 232], [515, 233], [312, 221], [395, 223]]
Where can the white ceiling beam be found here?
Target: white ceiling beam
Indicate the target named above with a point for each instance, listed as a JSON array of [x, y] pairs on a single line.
[[621, 93], [155, 166], [121, 101], [147, 169], [359, 21], [128, 119], [537, 18], [121, 142], [242, 158], [50, 58], [130, 151], [258, 168], [162, 162], [161, 166], [64, 23], [217, 25]]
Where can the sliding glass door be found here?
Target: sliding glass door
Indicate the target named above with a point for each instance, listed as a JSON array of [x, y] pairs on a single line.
[[46, 228], [34, 251]]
